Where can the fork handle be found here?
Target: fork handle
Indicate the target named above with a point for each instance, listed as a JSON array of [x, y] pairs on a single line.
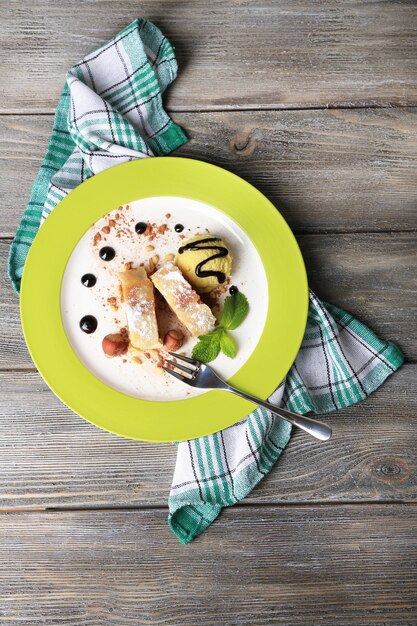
[[313, 427]]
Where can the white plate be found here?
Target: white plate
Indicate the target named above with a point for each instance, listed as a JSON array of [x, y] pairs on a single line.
[[123, 373]]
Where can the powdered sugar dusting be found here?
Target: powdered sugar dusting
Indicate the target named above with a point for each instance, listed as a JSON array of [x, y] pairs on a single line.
[[185, 302], [140, 316], [139, 305]]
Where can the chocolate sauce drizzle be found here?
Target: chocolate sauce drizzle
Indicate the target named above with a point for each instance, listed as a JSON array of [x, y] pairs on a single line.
[[199, 245]]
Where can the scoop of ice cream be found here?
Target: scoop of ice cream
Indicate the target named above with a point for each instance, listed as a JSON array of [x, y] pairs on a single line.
[[205, 261]]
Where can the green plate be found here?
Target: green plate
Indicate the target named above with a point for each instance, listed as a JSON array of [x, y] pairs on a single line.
[[112, 410]]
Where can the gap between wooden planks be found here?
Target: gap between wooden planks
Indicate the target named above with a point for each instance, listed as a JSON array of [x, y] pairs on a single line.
[[252, 567], [273, 54], [65, 462], [326, 171]]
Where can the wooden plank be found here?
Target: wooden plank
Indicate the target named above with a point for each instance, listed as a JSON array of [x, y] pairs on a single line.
[[372, 276], [286, 53], [50, 457], [346, 565], [326, 170]]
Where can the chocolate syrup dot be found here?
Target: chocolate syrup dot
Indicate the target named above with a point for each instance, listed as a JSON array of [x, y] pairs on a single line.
[[88, 280], [233, 289], [107, 253], [140, 228], [179, 228], [88, 324]]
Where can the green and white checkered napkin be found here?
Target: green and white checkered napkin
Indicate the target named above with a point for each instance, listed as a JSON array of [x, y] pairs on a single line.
[[340, 362], [111, 112]]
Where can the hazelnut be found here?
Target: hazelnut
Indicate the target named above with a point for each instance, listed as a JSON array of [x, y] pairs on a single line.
[[173, 340], [115, 344]]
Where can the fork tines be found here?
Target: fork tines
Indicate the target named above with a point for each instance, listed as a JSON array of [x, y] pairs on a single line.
[[187, 359], [187, 370], [184, 379], [192, 371]]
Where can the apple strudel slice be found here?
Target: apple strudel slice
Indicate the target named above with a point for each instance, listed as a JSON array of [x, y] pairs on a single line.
[[139, 304], [183, 300]]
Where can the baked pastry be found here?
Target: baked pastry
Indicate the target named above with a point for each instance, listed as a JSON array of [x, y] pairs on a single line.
[[183, 300], [139, 303]]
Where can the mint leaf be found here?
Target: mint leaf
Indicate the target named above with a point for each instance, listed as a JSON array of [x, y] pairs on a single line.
[[228, 345], [207, 348], [235, 310]]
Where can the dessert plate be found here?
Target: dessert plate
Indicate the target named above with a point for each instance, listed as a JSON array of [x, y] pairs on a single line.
[[114, 394]]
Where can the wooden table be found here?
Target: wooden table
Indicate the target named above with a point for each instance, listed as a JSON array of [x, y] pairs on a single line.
[[313, 101]]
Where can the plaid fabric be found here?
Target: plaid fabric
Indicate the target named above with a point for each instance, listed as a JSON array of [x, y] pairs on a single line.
[[340, 362], [110, 112]]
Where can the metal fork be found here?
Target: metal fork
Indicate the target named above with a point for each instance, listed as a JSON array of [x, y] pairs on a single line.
[[203, 377]]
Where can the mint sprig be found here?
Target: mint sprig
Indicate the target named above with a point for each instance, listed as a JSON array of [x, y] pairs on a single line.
[[235, 310]]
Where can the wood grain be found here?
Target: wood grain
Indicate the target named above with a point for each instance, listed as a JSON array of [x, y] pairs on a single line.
[[252, 567], [350, 170], [329, 536], [285, 53], [372, 276], [51, 457]]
